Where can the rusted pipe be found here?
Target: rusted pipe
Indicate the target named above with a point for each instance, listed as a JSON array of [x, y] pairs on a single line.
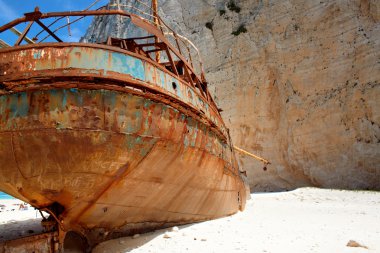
[[252, 155]]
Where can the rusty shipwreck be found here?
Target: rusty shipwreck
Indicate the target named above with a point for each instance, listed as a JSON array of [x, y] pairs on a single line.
[[112, 137]]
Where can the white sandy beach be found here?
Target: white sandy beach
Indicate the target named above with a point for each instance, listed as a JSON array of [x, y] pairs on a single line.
[[16, 223], [303, 220]]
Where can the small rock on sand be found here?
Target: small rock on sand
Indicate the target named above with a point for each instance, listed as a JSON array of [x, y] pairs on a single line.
[[167, 235], [352, 243], [135, 236], [175, 229]]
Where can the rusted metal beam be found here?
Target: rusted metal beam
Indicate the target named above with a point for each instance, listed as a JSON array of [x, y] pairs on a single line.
[[48, 30], [154, 50], [26, 30], [176, 41], [4, 44], [33, 16], [18, 33], [154, 44], [251, 155], [109, 41], [36, 15], [190, 58], [157, 23], [188, 75], [171, 61], [142, 38]]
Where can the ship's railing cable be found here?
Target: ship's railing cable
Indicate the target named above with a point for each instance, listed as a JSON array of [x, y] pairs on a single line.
[[57, 19], [63, 26]]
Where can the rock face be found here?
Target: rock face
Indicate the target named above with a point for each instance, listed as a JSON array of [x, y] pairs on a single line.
[[298, 82]]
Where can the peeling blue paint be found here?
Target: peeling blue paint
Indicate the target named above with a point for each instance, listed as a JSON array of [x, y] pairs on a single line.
[[126, 64], [123, 113], [37, 55], [162, 78], [64, 99], [104, 62], [19, 105]]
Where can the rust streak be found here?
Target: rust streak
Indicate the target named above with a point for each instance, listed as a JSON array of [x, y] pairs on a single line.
[[115, 178], [15, 157]]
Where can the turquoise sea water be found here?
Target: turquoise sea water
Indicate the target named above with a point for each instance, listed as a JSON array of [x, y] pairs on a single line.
[[5, 196]]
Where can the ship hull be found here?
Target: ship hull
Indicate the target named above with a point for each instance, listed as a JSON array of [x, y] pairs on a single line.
[[109, 154], [113, 161]]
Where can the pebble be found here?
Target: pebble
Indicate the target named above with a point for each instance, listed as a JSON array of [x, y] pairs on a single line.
[[167, 235], [175, 229], [135, 236], [352, 243]]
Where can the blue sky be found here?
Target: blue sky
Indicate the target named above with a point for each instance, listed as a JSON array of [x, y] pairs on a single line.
[[12, 9]]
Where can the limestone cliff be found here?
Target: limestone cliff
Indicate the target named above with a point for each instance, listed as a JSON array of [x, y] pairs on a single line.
[[298, 82]]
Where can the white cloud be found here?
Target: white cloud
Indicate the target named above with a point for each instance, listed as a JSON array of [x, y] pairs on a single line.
[[7, 12]]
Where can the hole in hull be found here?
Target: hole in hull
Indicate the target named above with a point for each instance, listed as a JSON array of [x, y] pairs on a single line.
[[74, 243]]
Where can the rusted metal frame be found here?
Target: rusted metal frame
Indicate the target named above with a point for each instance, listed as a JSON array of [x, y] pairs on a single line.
[[157, 23], [22, 36], [12, 24], [198, 85], [134, 18], [208, 95], [142, 38], [4, 44], [191, 60], [145, 53], [154, 50], [176, 41], [18, 33], [109, 41], [32, 16], [187, 73], [213, 106], [55, 21], [11, 244], [159, 44], [171, 61], [174, 33], [152, 29], [133, 46], [124, 45], [38, 15], [48, 30]]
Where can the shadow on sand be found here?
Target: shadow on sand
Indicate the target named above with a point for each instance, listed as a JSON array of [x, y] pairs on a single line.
[[13, 229], [127, 244]]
